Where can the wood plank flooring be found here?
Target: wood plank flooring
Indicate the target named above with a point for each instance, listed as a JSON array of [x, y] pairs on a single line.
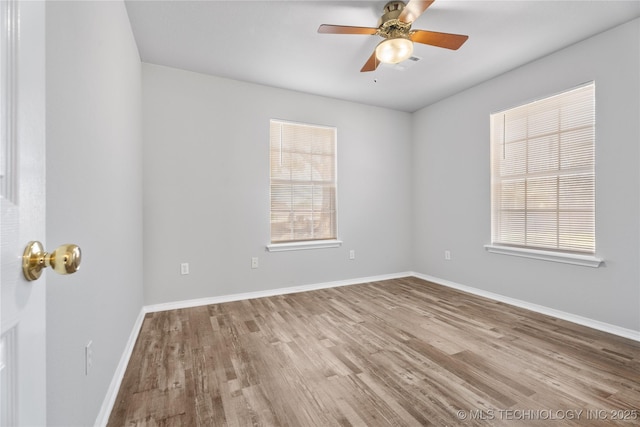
[[401, 352]]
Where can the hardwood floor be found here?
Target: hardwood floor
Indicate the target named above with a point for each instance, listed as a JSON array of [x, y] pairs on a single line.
[[400, 352]]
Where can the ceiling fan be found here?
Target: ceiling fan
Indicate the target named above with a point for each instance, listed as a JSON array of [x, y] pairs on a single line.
[[395, 27]]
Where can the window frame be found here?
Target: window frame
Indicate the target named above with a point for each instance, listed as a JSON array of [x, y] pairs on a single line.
[[301, 244], [542, 252]]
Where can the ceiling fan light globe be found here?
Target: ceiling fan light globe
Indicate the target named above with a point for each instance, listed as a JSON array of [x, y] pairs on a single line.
[[392, 51]]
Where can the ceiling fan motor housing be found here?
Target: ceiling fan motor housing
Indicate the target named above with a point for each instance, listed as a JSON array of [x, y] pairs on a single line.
[[389, 26], [391, 11]]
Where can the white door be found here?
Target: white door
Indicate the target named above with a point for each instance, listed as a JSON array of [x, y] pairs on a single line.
[[22, 170]]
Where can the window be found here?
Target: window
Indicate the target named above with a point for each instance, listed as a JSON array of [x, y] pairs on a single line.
[[543, 174], [303, 183]]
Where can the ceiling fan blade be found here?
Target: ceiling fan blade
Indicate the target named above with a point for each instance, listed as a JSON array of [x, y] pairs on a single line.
[[344, 29], [413, 9], [433, 38], [371, 64]]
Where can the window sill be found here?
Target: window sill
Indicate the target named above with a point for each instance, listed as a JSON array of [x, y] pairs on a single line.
[[298, 246], [575, 259]]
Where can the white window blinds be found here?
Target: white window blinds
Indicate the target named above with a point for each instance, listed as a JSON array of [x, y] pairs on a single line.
[[303, 182], [543, 174]]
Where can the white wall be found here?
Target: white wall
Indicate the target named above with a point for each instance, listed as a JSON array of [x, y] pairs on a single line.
[[452, 183], [206, 187], [94, 199]]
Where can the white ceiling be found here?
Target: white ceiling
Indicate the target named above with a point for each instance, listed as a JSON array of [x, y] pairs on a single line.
[[276, 43]]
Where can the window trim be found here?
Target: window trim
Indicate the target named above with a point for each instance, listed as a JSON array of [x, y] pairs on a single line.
[[303, 245], [547, 255], [577, 257], [334, 242]]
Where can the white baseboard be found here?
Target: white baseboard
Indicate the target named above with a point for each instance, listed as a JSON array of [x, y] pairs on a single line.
[[584, 321], [116, 381], [107, 406], [269, 292]]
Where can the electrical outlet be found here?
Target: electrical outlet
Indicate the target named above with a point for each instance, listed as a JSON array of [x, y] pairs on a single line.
[[254, 262], [447, 255], [184, 268], [88, 357], [352, 254]]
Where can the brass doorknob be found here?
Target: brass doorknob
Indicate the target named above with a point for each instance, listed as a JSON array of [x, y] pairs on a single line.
[[64, 260]]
